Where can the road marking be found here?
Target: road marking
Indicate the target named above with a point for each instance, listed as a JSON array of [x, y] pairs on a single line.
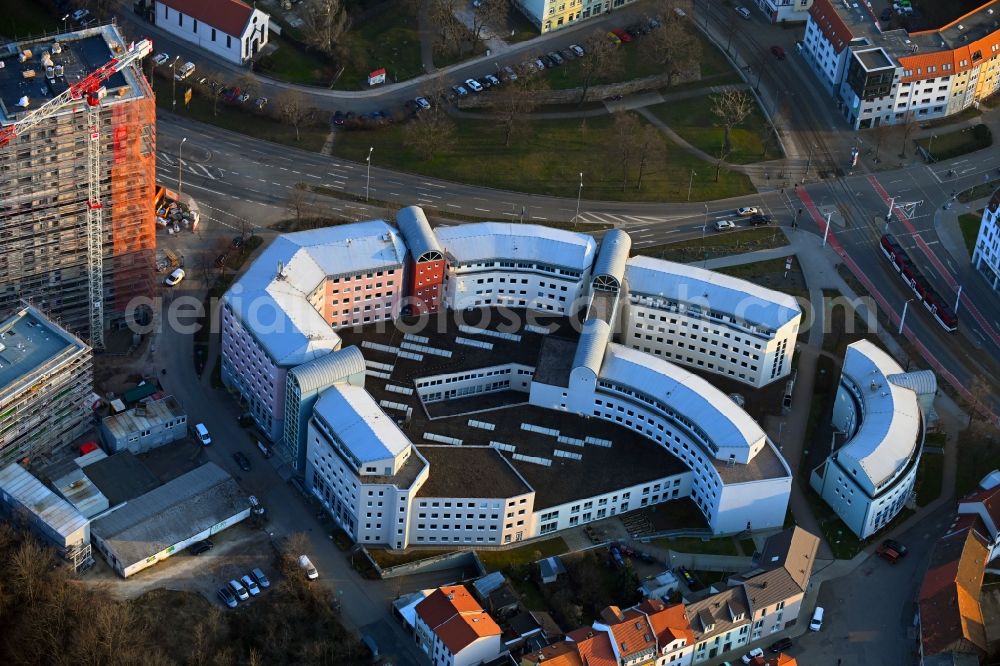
[[440, 186], [535, 217], [645, 235], [276, 184], [312, 175], [453, 205], [485, 210], [285, 169], [296, 172], [167, 158]]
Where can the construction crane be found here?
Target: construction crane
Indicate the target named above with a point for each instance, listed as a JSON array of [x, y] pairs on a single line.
[[91, 91]]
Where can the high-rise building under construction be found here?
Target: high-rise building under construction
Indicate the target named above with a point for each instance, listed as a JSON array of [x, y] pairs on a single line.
[[45, 174]]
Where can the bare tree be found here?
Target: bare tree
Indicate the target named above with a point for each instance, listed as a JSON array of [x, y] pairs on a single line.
[[462, 36], [603, 61], [649, 151], [247, 83], [515, 100], [430, 133], [324, 23], [298, 200], [731, 107], [294, 109], [623, 149], [673, 47], [909, 124]]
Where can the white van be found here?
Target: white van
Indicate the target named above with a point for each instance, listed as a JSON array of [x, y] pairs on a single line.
[[744, 12], [817, 622], [202, 433], [306, 564], [186, 70]]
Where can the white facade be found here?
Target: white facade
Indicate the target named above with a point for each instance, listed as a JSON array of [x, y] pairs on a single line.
[[868, 480], [827, 60], [707, 320], [986, 256], [778, 11], [190, 22], [472, 521], [507, 377]]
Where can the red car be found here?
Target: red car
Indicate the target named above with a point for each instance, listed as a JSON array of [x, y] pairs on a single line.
[[778, 52], [888, 554], [622, 35]]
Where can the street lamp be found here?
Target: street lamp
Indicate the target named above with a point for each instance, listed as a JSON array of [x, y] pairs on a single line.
[[903, 318], [173, 73], [368, 180], [63, 19], [180, 171], [579, 193], [690, 183]]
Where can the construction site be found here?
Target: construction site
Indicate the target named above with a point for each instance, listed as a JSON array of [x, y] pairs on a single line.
[[77, 180]]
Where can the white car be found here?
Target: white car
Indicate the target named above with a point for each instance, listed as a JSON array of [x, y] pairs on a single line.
[[474, 85], [577, 50], [817, 619], [251, 585], [744, 12], [174, 278], [161, 58], [306, 564], [723, 225], [240, 591], [747, 211], [749, 656], [202, 433], [184, 71], [423, 103]]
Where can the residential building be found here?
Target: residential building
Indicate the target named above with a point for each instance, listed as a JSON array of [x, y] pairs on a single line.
[[781, 11], [303, 385], [881, 73], [44, 185], [986, 255], [25, 498], [547, 15], [494, 264], [453, 630], [872, 469], [985, 503], [285, 309], [230, 29], [708, 320], [169, 518], [425, 265], [150, 424], [46, 384], [950, 613]]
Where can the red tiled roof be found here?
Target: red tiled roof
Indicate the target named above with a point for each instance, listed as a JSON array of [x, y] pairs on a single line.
[[669, 623], [229, 16], [445, 602], [951, 617], [634, 635], [557, 654], [990, 499], [831, 25], [594, 647], [463, 630]]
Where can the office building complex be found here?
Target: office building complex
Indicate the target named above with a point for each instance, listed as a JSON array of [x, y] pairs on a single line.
[[882, 71], [986, 255], [44, 180], [46, 382]]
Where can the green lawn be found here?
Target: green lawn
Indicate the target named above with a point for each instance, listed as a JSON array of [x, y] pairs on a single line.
[[389, 39], [28, 17], [496, 560], [719, 245], [720, 546], [385, 559], [772, 275], [930, 477], [959, 142], [981, 191], [693, 119], [547, 159], [297, 65], [970, 223]]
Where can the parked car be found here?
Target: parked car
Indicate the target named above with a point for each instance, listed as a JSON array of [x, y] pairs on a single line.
[[485, 83], [817, 619], [509, 73], [242, 461], [227, 597], [492, 79], [473, 85], [202, 80], [780, 645], [260, 103], [174, 278], [184, 71], [578, 50], [744, 12], [251, 585], [653, 23], [460, 91], [723, 225], [238, 589], [337, 118], [202, 433], [161, 58], [622, 35], [199, 547], [306, 565], [231, 94], [80, 15], [259, 576], [423, 103], [244, 97], [896, 546], [749, 656], [556, 58], [887, 554], [746, 211], [547, 62], [256, 507], [221, 260], [778, 52], [238, 242], [540, 64], [615, 39]]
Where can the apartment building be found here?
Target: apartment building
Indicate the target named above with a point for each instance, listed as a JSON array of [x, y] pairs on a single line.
[[46, 386], [44, 185], [870, 473], [453, 629], [285, 309], [547, 15], [699, 318], [231, 29], [780, 11], [985, 504], [986, 255], [879, 73], [495, 264]]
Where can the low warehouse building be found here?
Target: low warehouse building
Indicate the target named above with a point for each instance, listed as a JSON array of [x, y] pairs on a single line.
[[146, 426], [154, 526]]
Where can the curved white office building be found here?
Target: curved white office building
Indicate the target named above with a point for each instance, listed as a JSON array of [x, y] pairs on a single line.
[[880, 424]]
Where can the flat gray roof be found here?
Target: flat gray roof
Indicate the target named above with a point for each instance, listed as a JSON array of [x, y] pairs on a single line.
[[121, 477], [175, 511], [44, 504], [29, 341], [143, 416]]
